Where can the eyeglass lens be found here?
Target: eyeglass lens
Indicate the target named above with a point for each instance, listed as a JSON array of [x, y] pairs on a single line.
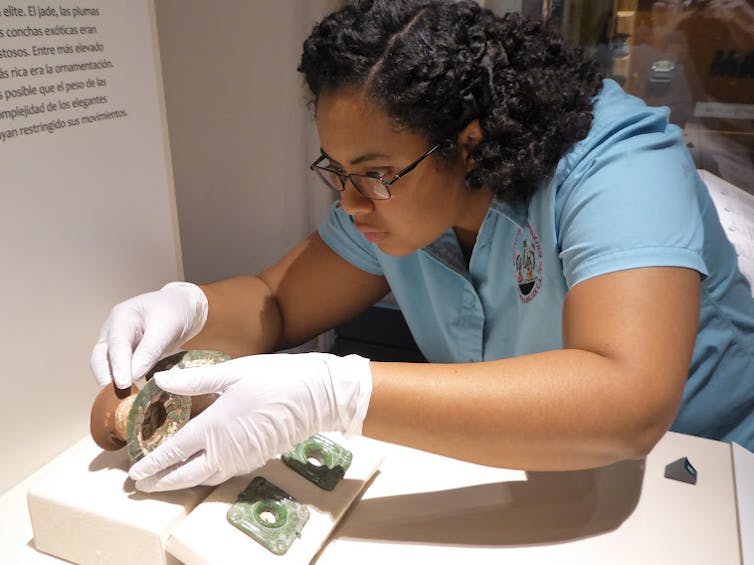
[[331, 178], [369, 187]]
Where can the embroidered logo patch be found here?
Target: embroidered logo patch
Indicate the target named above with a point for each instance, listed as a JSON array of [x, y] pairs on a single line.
[[527, 262]]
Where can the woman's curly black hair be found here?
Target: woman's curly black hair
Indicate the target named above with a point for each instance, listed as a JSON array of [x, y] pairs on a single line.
[[436, 65]]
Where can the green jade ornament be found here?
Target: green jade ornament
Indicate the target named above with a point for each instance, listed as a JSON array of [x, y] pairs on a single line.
[[269, 515], [320, 460]]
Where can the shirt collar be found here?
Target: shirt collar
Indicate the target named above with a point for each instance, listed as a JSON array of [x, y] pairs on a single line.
[[516, 212], [445, 248]]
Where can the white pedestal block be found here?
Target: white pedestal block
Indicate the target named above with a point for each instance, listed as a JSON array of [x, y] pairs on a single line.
[[206, 537], [85, 509]]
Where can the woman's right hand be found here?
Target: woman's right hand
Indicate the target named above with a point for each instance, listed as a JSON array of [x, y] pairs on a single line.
[[143, 329]]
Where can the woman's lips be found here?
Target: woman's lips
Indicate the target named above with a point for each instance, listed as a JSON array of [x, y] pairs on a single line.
[[372, 235], [375, 236]]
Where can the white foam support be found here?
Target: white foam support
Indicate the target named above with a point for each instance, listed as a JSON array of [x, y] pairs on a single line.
[[735, 207], [206, 536], [84, 509]]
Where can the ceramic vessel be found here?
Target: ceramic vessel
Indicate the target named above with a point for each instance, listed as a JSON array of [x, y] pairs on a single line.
[[143, 419]]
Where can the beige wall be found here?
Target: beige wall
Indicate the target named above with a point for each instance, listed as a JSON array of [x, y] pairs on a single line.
[[241, 135]]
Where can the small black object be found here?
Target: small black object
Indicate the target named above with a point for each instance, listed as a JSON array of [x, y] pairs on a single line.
[[681, 470]]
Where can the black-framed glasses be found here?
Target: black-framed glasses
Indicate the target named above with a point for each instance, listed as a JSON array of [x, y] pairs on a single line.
[[371, 185]]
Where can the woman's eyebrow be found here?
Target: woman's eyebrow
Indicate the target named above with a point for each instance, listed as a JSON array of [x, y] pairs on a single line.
[[369, 157], [357, 160]]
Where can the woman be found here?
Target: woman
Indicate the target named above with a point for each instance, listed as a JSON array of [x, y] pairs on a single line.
[[555, 254]]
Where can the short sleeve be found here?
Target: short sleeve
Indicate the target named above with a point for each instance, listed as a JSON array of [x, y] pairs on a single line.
[[338, 232], [630, 200]]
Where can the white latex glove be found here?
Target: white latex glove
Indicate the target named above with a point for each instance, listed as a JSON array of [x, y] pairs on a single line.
[[141, 330], [267, 404]]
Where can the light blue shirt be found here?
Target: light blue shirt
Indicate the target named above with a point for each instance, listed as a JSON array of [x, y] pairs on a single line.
[[626, 196]]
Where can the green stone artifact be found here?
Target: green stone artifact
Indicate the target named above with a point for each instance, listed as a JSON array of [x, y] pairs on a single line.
[[269, 515], [155, 415], [320, 460], [186, 359]]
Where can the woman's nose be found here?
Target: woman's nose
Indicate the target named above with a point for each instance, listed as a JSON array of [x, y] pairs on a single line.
[[353, 202]]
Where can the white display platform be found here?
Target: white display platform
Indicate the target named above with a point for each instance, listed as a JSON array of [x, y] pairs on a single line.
[[205, 536], [428, 509], [743, 466], [84, 508]]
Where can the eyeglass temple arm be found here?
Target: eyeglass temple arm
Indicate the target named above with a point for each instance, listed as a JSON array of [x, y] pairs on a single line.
[[413, 165], [318, 161]]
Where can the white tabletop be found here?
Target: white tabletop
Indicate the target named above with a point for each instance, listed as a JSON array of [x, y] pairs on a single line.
[[437, 510]]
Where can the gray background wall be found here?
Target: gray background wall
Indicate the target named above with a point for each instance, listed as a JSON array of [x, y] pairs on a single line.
[[241, 135]]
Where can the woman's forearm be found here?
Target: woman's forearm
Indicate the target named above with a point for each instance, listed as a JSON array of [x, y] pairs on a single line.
[[243, 318], [554, 410]]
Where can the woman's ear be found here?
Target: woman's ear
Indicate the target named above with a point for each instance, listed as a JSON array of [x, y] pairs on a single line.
[[468, 139]]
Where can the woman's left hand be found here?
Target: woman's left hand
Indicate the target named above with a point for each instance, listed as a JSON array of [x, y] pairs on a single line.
[[267, 404]]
